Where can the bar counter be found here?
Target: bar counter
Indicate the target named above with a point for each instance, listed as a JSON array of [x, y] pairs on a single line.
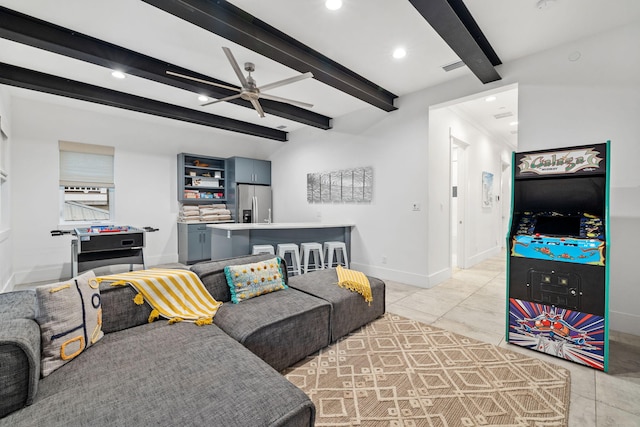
[[230, 240]]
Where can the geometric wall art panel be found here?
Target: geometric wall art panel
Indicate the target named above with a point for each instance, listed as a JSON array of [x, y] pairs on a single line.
[[343, 186]]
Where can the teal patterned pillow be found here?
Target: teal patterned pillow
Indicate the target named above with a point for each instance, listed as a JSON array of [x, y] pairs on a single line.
[[252, 280]]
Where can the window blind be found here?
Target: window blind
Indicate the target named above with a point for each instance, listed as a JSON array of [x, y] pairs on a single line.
[[85, 165]]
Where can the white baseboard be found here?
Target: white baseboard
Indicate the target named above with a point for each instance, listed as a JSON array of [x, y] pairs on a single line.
[[42, 274], [439, 276], [419, 280], [484, 255], [8, 285], [624, 322]]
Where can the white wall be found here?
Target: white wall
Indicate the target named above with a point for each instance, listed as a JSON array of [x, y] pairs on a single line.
[[145, 166], [561, 103], [595, 99], [6, 268], [394, 144]]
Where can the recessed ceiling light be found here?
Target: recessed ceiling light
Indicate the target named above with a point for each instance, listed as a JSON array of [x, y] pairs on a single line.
[[400, 52], [490, 98], [333, 4], [202, 98], [118, 74], [513, 124]]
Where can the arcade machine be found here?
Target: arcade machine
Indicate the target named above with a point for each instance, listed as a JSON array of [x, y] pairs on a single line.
[[557, 265]]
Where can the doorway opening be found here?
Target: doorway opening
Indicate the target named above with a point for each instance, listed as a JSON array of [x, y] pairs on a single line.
[[482, 134]]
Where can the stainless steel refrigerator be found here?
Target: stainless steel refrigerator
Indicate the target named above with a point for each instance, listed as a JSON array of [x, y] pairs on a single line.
[[253, 203]]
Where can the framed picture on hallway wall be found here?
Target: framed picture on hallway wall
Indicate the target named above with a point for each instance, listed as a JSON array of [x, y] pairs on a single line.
[[487, 189]]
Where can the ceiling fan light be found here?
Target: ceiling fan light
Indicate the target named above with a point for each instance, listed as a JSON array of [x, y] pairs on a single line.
[[333, 4]]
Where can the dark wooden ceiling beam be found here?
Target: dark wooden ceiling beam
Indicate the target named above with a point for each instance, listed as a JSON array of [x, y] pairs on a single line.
[[34, 32], [226, 20], [454, 23], [35, 80]]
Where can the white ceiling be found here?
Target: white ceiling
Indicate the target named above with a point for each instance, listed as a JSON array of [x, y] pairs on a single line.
[[360, 36]]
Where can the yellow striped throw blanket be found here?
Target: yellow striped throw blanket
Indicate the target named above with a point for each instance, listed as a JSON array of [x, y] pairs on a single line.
[[354, 281], [173, 294]]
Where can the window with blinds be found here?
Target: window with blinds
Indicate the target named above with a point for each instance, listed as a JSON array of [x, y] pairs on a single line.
[[86, 182]]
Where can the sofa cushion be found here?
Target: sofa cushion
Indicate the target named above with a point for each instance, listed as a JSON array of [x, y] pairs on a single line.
[[18, 305], [70, 319], [349, 309], [252, 280], [174, 294], [19, 363], [160, 374], [212, 274], [118, 309], [281, 327]]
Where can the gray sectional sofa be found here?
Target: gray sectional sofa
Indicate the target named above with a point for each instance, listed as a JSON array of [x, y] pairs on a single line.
[[143, 374]]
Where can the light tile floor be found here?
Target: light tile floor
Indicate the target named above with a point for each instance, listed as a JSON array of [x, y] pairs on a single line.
[[473, 303]]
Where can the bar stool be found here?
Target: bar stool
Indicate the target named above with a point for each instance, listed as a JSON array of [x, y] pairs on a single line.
[[337, 249], [314, 249], [262, 249], [292, 249]]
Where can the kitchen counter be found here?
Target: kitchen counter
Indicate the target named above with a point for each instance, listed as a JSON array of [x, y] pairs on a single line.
[[230, 240], [278, 225]]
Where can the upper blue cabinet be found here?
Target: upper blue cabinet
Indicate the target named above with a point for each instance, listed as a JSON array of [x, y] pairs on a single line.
[[251, 171]]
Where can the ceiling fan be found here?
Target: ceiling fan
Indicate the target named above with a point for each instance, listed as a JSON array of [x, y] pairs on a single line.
[[250, 90]]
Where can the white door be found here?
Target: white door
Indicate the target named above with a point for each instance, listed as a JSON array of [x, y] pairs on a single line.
[[458, 202]]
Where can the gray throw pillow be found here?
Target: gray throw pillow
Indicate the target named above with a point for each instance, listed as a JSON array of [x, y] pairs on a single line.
[[70, 319]]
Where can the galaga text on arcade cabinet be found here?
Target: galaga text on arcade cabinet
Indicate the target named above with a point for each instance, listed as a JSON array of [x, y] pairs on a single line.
[[557, 280]]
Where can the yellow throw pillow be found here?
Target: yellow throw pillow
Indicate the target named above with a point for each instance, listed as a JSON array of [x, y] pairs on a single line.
[[252, 280], [70, 319]]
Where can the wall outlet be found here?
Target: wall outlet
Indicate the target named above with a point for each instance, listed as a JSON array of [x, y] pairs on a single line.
[[384, 259], [415, 206]]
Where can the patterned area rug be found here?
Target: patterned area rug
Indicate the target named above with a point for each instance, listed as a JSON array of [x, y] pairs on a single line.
[[400, 372]]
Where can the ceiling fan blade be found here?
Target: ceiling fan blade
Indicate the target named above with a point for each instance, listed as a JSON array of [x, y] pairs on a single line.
[[258, 107], [202, 81], [288, 101], [228, 98], [236, 67], [285, 81]]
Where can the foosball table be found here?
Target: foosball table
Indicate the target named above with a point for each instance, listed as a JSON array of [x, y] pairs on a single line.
[[102, 245]]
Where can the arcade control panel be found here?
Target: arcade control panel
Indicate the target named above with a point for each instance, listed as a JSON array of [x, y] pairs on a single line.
[[576, 238]]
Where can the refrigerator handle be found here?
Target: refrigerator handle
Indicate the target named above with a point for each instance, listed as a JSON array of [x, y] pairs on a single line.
[[254, 202]]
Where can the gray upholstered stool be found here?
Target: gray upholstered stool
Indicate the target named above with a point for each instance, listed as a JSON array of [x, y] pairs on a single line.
[[262, 249], [337, 250], [313, 249], [292, 249]]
